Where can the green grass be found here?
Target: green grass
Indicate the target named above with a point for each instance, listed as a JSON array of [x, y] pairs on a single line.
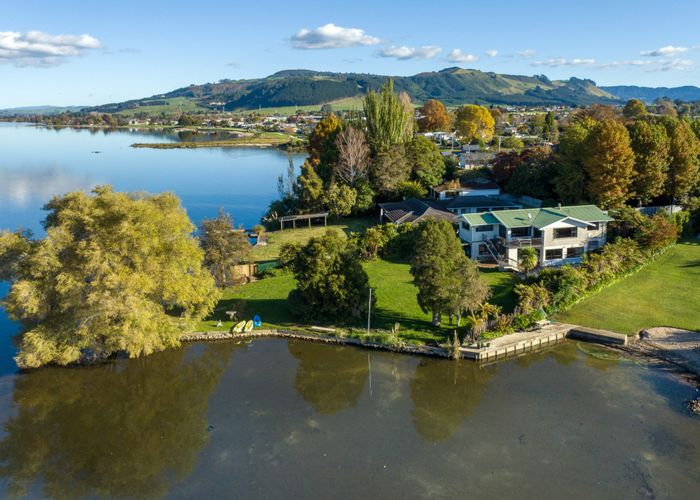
[[396, 302], [345, 104], [664, 293], [175, 104], [301, 235]]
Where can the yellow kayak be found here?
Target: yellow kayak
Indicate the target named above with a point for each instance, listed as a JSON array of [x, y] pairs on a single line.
[[239, 327], [248, 326]]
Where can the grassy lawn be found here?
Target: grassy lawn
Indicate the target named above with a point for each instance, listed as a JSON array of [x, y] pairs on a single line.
[[392, 284], [665, 293], [174, 104], [277, 238]]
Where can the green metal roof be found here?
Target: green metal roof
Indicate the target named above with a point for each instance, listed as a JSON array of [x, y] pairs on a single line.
[[482, 219], [538, 217]]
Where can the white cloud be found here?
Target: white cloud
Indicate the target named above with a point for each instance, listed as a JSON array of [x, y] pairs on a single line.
[[556, 63], [457, 56], [404, 53], [673, 64], [667, 51], [492, 53], [330, 36], [527, 53], [35, 48], [633, 62]]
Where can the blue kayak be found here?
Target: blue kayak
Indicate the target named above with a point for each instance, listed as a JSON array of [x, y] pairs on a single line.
[[257, 322]]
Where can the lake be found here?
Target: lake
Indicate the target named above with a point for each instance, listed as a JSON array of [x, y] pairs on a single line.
[[274, 418]]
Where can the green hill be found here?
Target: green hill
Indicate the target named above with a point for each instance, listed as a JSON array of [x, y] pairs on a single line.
[[308, 88]]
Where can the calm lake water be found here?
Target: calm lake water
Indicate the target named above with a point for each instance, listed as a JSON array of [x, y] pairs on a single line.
[[283, 419]]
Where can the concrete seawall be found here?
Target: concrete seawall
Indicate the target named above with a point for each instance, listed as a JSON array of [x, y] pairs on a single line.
[[499, 348]]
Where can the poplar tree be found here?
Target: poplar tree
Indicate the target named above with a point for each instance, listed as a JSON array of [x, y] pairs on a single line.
[[388, 120]]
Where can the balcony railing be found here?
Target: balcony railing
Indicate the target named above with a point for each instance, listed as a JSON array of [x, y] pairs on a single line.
[[522, 242]]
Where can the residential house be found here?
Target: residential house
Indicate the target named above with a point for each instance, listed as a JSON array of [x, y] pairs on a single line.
[[560, 235], [414, 210]]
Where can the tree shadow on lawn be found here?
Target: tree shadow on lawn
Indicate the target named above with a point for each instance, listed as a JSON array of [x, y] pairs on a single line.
[[271, 311]]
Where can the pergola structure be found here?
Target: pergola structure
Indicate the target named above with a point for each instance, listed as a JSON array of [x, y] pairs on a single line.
[[301, 217]]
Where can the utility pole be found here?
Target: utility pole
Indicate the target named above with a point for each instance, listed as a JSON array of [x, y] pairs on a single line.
[[369, 309]]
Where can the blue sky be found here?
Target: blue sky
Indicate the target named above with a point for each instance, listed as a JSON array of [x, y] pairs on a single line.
[[72, 52]]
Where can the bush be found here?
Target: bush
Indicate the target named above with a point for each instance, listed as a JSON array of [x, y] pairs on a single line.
[[287, 254]]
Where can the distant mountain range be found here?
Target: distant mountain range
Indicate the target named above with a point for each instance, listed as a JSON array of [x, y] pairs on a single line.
[[453, 86], [687, 93], [38, 110]]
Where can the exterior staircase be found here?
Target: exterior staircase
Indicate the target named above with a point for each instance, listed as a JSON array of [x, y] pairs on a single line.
[[504, 263]]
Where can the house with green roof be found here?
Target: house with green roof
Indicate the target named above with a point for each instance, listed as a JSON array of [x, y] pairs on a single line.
[[560, 235]]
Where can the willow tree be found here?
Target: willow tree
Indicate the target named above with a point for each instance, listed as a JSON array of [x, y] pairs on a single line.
[[389, 120], [116, 272]]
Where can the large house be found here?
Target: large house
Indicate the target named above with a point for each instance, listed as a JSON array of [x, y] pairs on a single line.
[[560, 235]]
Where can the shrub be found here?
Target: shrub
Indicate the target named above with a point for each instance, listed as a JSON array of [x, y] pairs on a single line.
[[287, 254]]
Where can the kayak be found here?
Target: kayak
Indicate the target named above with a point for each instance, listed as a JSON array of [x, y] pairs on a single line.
[[248, 327], [239, 327], [257, 322]]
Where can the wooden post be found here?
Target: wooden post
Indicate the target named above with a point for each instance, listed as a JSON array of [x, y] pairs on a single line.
[[309, 221], [281, 225], [325, 220], [294, 223]]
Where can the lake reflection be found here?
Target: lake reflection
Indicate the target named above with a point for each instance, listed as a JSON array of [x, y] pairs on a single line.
[[278, 419], [126, 428]]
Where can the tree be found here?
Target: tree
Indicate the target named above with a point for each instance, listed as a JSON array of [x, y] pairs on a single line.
[[683, 170], [426, 161], [474, 123], [657, 232], [434, 117], [353, 155], [651, 147], [533, 173], [224, 248], [569, 179], [388, 120], [390, 168], [309, 187], [339, 199], [115, 272], [609, 164], [411, 189], [634, 109], [512, 142], [323, 153], [528, 259], [331, 282], [550, 132], [448, 282]]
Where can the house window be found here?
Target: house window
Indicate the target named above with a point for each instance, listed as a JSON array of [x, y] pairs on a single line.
[[502, 231], [465, 226], [596, 226], [555, 253], [520, 231], [483, 251], [574, 252], [536, 233], [484, 229], [565, 232], [593, 245]]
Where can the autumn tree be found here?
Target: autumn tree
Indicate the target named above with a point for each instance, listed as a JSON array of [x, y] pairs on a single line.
[[116, 272], [634, 109], [434, 117], [651, 147], [353, 155], [550, 131], [683, 172], [388, 119], [426, 161], [323, 153], [448, 281], [609, 164], [390, 168], [474, 123], [224, 247]]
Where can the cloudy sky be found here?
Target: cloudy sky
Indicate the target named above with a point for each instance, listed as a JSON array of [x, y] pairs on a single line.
[[76, 53]]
